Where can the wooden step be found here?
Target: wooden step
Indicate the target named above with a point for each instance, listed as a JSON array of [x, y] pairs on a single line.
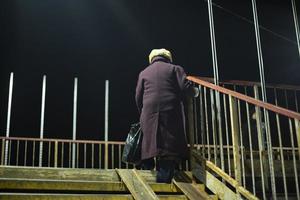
[[100, 184], [32, 196], [58, 173], [68, 174], [71, 174], [189, 188], [137, 186], [78, 185]]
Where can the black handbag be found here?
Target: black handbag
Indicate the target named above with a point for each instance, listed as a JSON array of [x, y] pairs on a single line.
[[132, 150]]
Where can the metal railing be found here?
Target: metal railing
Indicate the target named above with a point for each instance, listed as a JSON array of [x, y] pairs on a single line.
[[58, 153], [287, 96], [255, 143], [251, 145]]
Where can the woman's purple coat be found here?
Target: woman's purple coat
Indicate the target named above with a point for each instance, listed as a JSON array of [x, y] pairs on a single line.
[[159, 94]]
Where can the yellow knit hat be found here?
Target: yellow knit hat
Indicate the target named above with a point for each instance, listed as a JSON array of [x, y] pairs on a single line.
[[160, 52]]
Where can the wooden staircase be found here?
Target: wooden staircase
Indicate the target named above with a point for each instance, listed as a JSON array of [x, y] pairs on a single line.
[[28, 183]]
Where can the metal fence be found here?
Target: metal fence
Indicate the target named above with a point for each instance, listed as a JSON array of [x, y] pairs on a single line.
[[286, 96], [256, 143], [59, 153]]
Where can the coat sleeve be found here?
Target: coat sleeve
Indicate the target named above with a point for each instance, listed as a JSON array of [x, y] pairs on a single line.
[[184, 84], [139, 94]]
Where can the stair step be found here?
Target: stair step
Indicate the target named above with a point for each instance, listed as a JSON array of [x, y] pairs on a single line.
[[136, 185], [33, 196], [192, 192], [31, 183], [78, 185], [68, 174]]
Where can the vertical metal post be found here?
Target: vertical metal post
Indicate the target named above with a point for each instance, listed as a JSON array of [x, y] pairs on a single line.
[[112, 156], [216, 78], [280, 148], [191, 128], [93, 156], [213, 42], [11, 84], [49, 154], [74, 121], [62, 155], [17, 156], [84, 156], [195, 113], [250, 143], [294, 158], [25, 153], [202, 126], [214, 125], [242, 148], [77, 154], [293, 146], [9, 151], [106, 123], [264, 98], [296, 100], [235, 140], [267, 134], [260, 135], [2, 151], [33, 154], [206, 125], [296, 24], [120, 155], [219, 122], [70, 154], [297, 125], [227, 134], [42, 120], [55, 153], [259, 52], [100, 156]]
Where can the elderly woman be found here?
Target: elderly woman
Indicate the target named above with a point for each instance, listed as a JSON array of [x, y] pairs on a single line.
[[160, 90]]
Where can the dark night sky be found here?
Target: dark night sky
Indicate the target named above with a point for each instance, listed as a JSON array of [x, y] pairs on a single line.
[[97, 40]]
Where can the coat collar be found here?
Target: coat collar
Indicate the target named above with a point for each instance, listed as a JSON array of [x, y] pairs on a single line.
[[160, 58]]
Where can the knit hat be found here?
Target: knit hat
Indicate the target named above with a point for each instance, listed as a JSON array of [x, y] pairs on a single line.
[[160, 52]]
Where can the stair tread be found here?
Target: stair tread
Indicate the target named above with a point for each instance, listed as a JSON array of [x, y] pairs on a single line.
[[186, 185], [84, 185], [46, 196], [136, 185]]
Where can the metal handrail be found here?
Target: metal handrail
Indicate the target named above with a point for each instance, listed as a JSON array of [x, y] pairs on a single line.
[[252, 83], [63, 140], [268, 106], [22, 151], [221, 117]]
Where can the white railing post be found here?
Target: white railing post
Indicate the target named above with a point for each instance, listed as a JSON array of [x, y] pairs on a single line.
[[295, 15], [74, 121], [106, 122], [42, 120], [11, 84], [264, 98]]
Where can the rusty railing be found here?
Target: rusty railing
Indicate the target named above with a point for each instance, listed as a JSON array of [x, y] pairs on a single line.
[[247, 143]]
